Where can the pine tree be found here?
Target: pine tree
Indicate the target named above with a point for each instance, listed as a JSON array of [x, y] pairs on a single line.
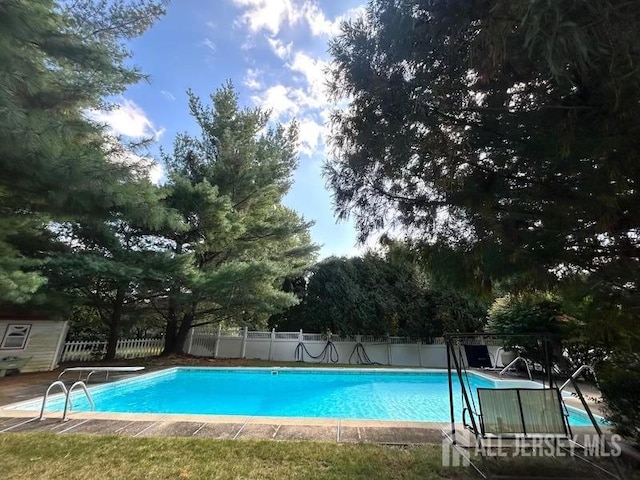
[[115, 267], [58, 60], [505, 131], [241, 241]]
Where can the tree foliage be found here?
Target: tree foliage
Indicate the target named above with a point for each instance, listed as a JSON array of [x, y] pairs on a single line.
[[504, 135], [378, 295], [59, 60], [505, 129], [238, 239], [540, 313]]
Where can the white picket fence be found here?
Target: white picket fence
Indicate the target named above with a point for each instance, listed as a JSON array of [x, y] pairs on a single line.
[[126, 348]]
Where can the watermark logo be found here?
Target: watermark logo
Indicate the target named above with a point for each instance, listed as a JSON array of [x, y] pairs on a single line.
[[452, 456], [539, 446]]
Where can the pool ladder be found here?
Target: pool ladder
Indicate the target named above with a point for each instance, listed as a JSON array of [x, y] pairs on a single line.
[[67, 397]]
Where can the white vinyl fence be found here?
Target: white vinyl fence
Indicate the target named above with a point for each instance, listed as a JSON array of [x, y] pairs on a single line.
[[314, 347], [288, 347], [126, 348]]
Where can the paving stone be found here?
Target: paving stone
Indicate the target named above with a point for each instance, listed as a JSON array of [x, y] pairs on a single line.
[[307, 432], [172, 429], [6, 422], [37, 425], [218, 430], [12, 422], [133, 428], [400, 435], [58, 425], [350, 435], [104, 427], [258, 431]]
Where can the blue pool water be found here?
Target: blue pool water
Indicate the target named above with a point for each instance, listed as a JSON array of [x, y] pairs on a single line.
[[353, 394]]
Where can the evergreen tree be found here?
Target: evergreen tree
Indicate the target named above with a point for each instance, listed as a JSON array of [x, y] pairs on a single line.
[[58, 59], [379, 295], [227, 186], [504, 135], [115, 267], [505, 131]]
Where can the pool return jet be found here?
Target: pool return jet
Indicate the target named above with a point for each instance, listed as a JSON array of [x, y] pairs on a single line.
[[521, 417]]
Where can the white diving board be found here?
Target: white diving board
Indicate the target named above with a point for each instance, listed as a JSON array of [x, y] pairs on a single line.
[[92, 370]]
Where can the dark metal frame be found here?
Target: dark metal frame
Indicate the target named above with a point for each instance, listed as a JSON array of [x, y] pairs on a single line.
[[453, 339]]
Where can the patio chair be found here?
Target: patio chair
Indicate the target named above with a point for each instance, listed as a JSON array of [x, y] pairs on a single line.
[[521, 412], [478, 356], [12, 363]]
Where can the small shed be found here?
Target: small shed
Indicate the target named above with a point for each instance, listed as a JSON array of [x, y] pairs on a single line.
[[33, 341]]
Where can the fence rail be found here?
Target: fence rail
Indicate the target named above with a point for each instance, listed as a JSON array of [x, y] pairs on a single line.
[[285, 346], [126, 348], [282, 346]]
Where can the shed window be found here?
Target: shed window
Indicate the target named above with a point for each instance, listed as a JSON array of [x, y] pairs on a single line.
[[15, 337]]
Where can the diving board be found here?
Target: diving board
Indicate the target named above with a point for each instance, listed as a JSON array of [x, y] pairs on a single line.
[[92, 370]]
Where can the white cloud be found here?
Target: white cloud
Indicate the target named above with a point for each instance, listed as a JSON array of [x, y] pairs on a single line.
[[209, 44], [306, 98], [271, 15], [140, 166], [321, 25], [314, 72], [311, 135], [143, 166], [168, 95], [281, 49], [268, 15], [280, 99], [127, 119], [156, 172], [251, 79]]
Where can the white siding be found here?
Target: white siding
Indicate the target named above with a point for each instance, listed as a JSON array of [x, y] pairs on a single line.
[[42, 343]]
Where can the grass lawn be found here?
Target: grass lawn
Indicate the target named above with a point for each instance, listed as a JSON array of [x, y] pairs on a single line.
[[69, 457], [44, 455]]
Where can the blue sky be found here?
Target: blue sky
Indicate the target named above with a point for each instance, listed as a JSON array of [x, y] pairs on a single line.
[[274, 51]]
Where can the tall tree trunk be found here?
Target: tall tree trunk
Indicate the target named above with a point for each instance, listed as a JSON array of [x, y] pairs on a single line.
[[115, 323], [183, 331], [171, 330]]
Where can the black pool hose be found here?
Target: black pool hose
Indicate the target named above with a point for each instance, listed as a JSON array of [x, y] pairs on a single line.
[[329, 353], [361, 356]]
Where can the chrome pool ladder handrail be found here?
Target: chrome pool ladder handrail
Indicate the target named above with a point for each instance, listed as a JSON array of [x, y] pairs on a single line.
[[57, 383], [578, 372], [513, 362], [67, 401], [67, 397]]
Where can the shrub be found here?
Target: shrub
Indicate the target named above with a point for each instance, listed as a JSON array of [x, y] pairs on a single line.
[[532, 312], [619, 381]]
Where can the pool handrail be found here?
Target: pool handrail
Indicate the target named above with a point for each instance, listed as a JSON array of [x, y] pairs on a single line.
[[57, 383], [576, 373], [79, 384], [513, 362]]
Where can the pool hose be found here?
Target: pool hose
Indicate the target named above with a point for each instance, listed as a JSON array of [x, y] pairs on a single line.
[[329, 353], [361, 356]]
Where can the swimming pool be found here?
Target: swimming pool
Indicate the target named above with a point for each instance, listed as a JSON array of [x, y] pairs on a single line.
[[371, 394]]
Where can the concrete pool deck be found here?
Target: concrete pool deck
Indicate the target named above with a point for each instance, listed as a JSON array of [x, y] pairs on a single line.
[[230, 428], [31, 386]]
